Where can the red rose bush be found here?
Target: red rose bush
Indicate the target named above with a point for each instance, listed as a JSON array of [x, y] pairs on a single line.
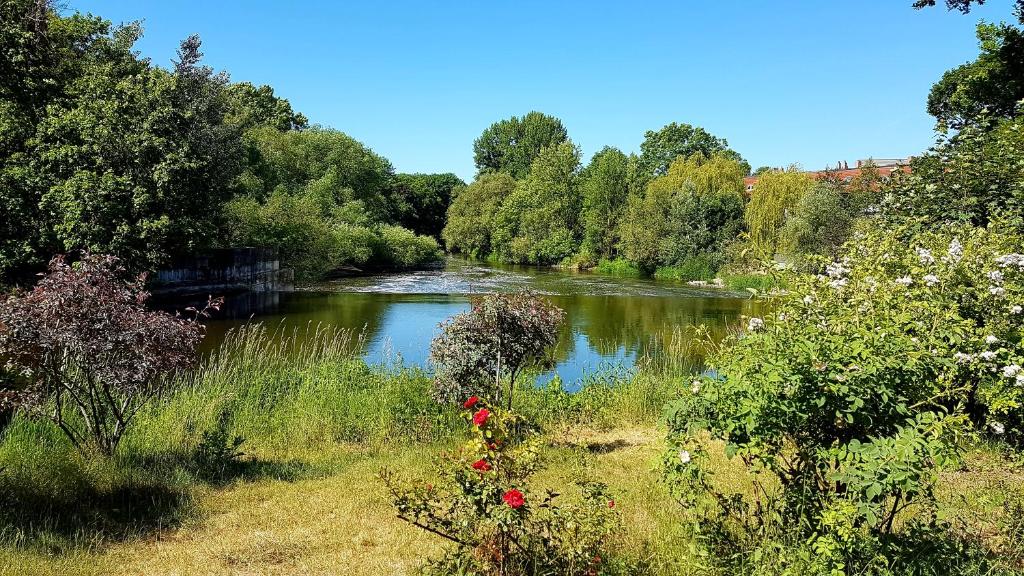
[[493, 522]]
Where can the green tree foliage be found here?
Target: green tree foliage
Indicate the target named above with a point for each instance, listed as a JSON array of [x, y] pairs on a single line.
[[512, 145], [540, 223], [991, 87], [819, 223], [250, 107], [43, 54], [964, 6], [138, 160], [326, 163], [659, 149], [472, 212], [975, 177], [604, 185], [775, 193], [691, 211], [420, 201]]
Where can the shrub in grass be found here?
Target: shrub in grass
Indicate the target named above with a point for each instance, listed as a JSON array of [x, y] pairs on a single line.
[[845, 403], [700, 267], [502, 335], [91, 351], [494, 523]]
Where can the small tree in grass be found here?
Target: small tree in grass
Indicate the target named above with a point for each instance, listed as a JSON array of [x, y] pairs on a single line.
[[501, 336], [90, 350]]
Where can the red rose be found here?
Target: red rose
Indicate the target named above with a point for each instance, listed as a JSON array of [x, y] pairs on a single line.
[[481, 465], [469, 403], [611, 503], [480, 418], [514, 498]]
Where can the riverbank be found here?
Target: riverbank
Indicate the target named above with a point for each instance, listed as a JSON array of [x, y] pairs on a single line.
[[299, 493]]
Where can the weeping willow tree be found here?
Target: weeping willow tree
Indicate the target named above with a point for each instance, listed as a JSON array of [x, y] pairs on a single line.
[[774, 195]]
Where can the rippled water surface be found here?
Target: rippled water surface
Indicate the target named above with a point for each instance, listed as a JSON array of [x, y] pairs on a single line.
[[610, 322]]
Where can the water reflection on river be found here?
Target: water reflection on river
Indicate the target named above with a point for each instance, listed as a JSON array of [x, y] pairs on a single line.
[[610, 322]]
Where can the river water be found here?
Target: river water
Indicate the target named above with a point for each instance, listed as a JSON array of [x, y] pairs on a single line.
[[610, 321]]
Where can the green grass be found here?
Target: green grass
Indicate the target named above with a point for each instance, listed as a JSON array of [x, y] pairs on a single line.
[[618, 267], [695, 268], [319, 424], [759, 282]]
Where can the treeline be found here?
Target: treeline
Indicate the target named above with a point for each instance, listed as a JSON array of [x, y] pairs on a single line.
[[102, 150], [678, 209]]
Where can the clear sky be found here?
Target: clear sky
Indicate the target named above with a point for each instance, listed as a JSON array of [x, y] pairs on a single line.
[[808, 82]]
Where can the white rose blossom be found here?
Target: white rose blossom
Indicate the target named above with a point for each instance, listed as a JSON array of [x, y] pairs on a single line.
[[1011, 371], [990, 339], [988, 355], [997, 291], [810, 299], [931, 280], [925, 256], [997, 427], [755, 324], [684, 456], [996, 277], [696, 386], [1016, 309], [905, 281]]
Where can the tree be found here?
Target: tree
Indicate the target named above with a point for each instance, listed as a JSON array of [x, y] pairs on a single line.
[[512, 145], [820, 222], [964, 6], [323, 162], [43, 54], [693, 210], [502, 335], [250, 106], [138, 161], [420, 201], [470, 216], [540, 223], [604, 185], [774, 195], [659, 149], [89, 345], [991, 87]]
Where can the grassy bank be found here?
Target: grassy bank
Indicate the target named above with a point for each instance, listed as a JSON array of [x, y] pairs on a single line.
[[317, 426]]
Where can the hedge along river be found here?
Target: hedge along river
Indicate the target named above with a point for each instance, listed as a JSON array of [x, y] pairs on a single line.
[[611, 323]]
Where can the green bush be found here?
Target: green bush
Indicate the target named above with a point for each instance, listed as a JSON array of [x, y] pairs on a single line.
[[847, 400], [403, 248]]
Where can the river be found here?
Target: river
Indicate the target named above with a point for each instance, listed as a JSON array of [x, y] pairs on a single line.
[[610, 321]]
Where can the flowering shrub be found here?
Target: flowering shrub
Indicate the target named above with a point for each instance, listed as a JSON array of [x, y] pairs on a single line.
[[846, 400], [90, 350], [483, 507], [501, 336]]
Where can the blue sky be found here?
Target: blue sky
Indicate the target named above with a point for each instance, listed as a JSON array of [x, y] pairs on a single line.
[[783, 81]]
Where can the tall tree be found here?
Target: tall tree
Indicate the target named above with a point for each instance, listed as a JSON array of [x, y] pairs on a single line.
[[693, 210], [964, 6], [511, 145], [990, 87], [43, 54], [252, 106], [540, 223], [775, 193], [659, 149], [472, 211], [138, 160], [420, 201], [604, 185]]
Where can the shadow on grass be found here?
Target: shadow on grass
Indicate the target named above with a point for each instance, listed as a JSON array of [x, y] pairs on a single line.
[[90, 504]]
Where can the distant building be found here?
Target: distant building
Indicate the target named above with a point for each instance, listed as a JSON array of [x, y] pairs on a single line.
[[842, 171]]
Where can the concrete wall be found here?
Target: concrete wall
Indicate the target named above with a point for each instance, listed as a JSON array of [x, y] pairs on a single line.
[[225, 270]]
